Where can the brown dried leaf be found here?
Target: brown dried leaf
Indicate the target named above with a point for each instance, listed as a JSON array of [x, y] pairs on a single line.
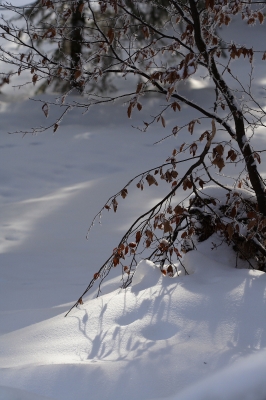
[[151, 180], [77, 74], [219, 161], [203, 135], [115, 261], [175, 130], [179, 210], [138, 236], [111, 35], [139, 87], [187, 184], [191, 231], [181, 147], [115, 204], [174, 174], [139, 106], [257, 157], [232, 155], [201, 183], [149, 234], [260, 17], [174, 184], [170, 271], [174, 152], [129, 110], [193, 149], [219, 149], [167, 227], [230, 231], [148, 243], [191, 126], [45, 109], [177, 252], [34, 79], [96, 275], [176, 106], [124, 193]]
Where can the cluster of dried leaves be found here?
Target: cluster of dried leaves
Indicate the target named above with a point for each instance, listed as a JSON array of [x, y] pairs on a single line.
[[124, 40]]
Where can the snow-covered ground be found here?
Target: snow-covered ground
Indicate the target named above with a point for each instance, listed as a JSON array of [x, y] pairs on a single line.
[[201, 336]]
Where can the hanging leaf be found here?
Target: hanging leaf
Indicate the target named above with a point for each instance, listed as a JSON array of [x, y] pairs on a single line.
[[219, 161], [96, 275], [175, 130], [45, 109], [111, 35], [34, 79], [151, 180], [260, 17], [201, 183], [124, 193], [177, 252], [193, 149], [115, 261], [219, 149], [167, 227], [148, 243], [179, 210], [129, 110], [77, 74], [139, 87], [176, 106], [170, 271], [230, 231], [149, 234], [257, 157], [232, 155], [138, 236], [115, 204]]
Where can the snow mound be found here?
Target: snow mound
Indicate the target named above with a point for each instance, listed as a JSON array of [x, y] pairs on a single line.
[[202, 322], [147, 275]]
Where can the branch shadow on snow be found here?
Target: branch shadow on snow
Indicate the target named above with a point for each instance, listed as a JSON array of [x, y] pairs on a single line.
[[213, 316]]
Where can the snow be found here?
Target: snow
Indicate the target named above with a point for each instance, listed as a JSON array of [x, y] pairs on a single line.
[[196, 336]]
